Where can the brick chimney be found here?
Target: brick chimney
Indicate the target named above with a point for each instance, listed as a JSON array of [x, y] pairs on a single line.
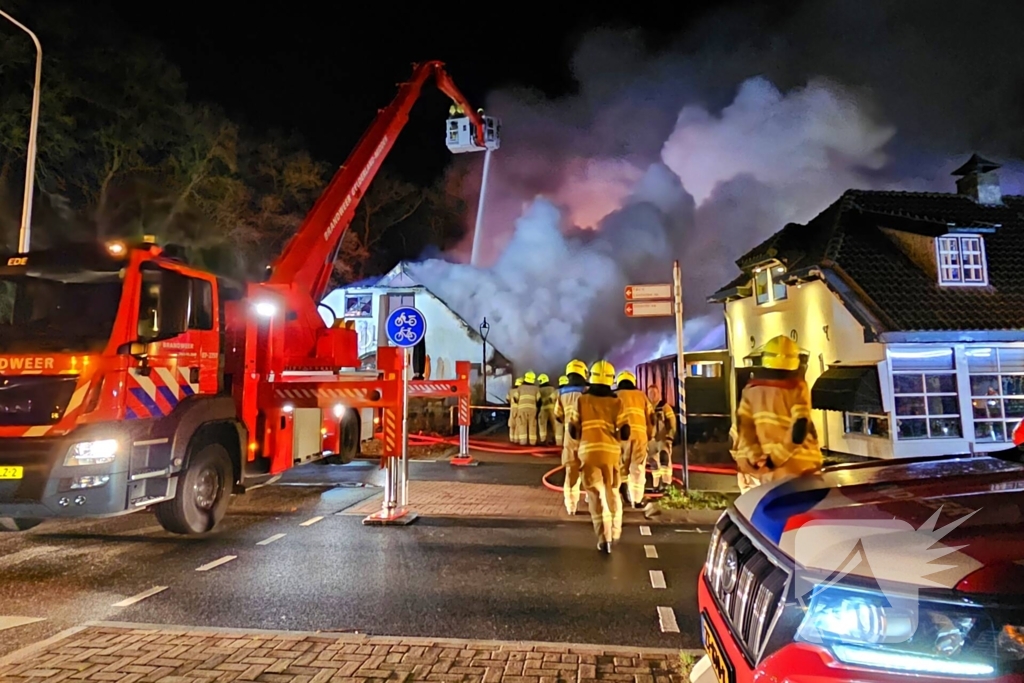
[[977, 179]]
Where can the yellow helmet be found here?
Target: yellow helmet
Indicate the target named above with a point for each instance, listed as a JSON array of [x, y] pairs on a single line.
[[519, 381], [625, 375], [563, 381], [577, 367], [543, 379], [781, 353], [602, 372], [531, 377]]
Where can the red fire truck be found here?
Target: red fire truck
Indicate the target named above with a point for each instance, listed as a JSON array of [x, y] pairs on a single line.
[[129, 379]]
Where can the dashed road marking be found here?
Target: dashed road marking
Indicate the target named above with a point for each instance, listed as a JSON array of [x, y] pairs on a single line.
[[311, 522], [268, 541], [216, 563], [12, 621], [667, 619], [651, 552], [645, 531], [657, 578], [140, 597], [692, 531]]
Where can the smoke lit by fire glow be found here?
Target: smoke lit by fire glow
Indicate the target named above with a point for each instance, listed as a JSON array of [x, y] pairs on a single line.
[[604, 188]]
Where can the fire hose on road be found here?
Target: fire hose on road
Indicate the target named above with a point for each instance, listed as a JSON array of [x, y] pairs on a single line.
[[547, 451]]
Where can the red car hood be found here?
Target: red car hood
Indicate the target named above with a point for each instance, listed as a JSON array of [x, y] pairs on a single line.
[[950, 523]]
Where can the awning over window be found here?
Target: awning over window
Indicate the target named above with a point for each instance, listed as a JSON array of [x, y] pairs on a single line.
[[849, 388]]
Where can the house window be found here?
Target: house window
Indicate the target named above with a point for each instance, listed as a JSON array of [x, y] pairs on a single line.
[[997, 391], [768, 285], [962, 260], [925, 392], [867, 424], [706, 369]]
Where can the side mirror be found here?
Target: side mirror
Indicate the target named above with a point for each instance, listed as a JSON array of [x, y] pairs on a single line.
[[136, 349], [175, 300]]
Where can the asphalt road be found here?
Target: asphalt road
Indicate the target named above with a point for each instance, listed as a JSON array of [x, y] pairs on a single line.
[[504, 579]]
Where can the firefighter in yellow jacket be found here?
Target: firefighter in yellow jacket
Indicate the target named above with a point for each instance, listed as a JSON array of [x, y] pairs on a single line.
[[513, 420], [526, 411], [566, 411], [601, 427], [775, 436], [640, 416], [546, 410], [659, 450]]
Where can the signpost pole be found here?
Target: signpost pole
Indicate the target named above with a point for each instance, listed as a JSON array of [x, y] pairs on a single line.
[[405, 427], [677, 286]]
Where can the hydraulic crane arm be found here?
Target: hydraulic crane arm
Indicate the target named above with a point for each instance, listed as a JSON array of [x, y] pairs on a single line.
[[308, 259]]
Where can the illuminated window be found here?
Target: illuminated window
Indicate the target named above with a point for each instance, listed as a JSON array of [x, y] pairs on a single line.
[[962, 260], [997, 391], [768, 284], [925, 392], [866, 424]]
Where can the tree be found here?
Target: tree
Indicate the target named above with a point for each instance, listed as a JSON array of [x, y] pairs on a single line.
[[395, 219]]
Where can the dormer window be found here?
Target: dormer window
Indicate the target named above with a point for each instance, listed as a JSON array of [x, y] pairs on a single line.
[[962, 260], [768, 284]]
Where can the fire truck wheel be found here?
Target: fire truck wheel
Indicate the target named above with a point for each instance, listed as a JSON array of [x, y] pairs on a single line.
[[203, 494], [11, 524], [350, 432]]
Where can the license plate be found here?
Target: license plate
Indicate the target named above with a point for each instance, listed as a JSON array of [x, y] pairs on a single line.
[[720, 664], [11, 472]]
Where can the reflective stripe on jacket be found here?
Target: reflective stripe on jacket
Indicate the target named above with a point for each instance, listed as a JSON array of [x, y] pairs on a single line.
[[528, 394], [638, 412], [599, 421], [764, 422]]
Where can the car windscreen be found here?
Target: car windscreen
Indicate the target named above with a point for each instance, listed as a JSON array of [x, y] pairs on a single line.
[[58, 313]]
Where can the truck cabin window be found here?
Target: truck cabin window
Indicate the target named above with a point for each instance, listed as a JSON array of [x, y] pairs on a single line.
[[170, 304], [58, 312]]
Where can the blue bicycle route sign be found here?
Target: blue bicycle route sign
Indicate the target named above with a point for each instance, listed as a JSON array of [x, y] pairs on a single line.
[[406, 327]]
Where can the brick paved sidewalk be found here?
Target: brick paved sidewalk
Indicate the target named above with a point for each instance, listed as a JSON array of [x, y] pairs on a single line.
[[446, 498], [141, 653]]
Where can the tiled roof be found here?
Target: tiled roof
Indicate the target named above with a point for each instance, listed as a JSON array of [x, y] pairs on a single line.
[[847, 239]]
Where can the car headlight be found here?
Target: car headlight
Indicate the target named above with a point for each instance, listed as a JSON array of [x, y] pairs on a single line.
[[92, 453], [867, 629]]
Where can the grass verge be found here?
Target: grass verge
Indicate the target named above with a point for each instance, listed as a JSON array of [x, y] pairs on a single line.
[[675, 499]]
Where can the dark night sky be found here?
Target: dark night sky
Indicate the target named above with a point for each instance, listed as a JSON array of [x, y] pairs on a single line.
[[317, 69]]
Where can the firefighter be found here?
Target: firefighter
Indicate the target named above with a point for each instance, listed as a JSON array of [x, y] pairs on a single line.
[[513, 399], [563, 381], [546, 411], [775, 436], [527, 410], [640, 415], [659, 450], [601, 427], [567, 410]]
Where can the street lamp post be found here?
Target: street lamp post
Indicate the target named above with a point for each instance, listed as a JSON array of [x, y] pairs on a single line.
[[25, 235], [484, 330]]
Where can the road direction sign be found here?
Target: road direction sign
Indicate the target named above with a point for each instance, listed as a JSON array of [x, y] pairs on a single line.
[[648, 292], [649, 309], [406, 327]]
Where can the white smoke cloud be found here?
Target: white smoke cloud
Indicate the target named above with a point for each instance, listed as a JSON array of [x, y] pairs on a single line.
[[724, 181]]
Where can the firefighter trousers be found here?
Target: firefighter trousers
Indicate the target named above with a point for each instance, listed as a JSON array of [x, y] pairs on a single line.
[[601, 480], [546, 424], [573, 467], [526, 432], [634, 461], [559, 432], [513, 424], [659, 460]]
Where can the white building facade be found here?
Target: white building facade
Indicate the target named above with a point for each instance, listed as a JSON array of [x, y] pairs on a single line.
[[449, 338], [909, 309]]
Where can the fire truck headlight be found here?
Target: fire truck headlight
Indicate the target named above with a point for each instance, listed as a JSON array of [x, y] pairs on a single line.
[[266, 309], [92, 453], [339, 411]]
